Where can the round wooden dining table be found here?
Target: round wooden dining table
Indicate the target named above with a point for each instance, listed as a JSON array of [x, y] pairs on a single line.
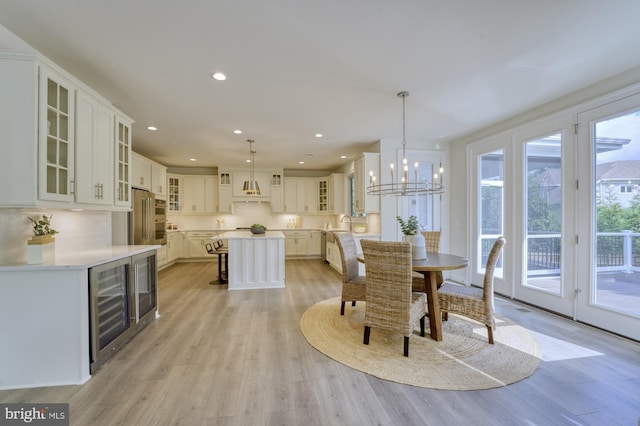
[[430, 269]]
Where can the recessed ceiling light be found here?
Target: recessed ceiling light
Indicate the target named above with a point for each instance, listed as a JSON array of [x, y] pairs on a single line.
[[152, 128], [237, 132], [343, 156], [218, 76], [318, 135], [247, 161], [192, 159]]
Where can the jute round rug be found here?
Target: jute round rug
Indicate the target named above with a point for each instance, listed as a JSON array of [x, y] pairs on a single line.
[[463, 360]]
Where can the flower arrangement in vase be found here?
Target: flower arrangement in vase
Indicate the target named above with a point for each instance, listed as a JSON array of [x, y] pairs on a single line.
[[409, 227]]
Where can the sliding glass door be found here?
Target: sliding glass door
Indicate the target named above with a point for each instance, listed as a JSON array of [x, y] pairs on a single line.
[[609, 221]]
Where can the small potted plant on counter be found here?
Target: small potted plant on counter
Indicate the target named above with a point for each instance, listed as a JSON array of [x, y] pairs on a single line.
[[257, 228], [41, 246]]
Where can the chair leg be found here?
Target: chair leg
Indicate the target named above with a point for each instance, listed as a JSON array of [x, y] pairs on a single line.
[[367, 331], [342, 308], [353, 303], [490, 334], [406, 345], [422, 326]]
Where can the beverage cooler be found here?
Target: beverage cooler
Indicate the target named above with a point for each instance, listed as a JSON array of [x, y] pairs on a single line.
[[123, 299]]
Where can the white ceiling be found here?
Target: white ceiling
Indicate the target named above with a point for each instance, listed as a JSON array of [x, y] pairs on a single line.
[[296, 68]]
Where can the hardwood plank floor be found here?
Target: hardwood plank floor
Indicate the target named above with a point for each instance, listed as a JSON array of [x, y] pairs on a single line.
[[216, 357]]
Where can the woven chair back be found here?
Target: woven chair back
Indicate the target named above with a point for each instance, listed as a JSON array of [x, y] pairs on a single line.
[[348, 255]]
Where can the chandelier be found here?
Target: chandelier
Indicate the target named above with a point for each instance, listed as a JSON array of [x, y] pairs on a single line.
[[401, 185], [251, 186]]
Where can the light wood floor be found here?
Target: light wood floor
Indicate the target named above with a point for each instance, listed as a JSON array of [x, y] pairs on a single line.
[[216, 357]]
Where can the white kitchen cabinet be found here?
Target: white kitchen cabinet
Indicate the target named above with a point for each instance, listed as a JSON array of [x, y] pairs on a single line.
[[290, 195], [336, 193], [174, 194], [277, 193], [94, 181], [323, 195], [315, 243], [140, 171], [225, 202], [366, 163], [306, 193], [200, 194], [333, 256], [159, 180], [175, 243], [196, 241], [37, 168], [161, 257], [47, 110], [122, 161], [296, 243]]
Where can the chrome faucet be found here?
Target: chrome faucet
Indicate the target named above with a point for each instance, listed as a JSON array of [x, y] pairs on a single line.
[[347, 217]]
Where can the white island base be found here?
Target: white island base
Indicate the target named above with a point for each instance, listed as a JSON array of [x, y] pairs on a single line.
[[255, 260]]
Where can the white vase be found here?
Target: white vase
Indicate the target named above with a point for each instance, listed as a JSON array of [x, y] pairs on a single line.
[[41, 250], [418, 247]]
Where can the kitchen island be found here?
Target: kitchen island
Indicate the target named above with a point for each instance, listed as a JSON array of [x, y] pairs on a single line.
[[45, 317], [255, 260]]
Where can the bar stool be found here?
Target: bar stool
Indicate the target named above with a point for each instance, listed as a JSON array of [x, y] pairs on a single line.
[[219, 249]]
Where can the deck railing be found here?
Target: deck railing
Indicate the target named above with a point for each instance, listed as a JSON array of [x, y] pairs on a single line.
[[616, 252]]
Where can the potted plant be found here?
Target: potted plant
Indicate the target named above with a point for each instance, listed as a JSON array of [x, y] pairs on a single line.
[[410, 227], [410, 233], [257, 228], [40, 248], [42, 230]]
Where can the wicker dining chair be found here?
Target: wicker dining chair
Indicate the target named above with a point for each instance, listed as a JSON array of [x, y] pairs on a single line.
[[432, 244], [473, 302], [391, 304], [353, 284]]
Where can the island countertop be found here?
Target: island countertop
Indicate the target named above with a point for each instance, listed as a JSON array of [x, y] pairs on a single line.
[[242, 234]]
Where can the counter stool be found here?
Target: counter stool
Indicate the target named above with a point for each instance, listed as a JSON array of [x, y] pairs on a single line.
[[218, 248]]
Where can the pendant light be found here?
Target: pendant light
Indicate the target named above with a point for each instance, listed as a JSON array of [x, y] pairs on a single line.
[[251, 186]]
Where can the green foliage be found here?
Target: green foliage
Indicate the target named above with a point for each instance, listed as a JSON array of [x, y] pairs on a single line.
[[42, 226], [410, 227]]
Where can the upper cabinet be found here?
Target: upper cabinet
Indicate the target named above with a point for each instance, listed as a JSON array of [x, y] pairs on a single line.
[[336, 193], [199, 194], [140, 172], [60, 139], [174, 184], [366, 163], [95, 145], [277, 192], [122, 161], [159, 180]]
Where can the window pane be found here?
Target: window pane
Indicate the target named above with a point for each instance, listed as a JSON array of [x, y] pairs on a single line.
[[491, 198]]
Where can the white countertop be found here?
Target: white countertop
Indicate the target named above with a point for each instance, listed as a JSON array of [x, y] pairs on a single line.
[[81, 259], [230, 235]]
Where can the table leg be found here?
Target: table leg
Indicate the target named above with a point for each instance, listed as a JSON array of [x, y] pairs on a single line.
[[435, 320]]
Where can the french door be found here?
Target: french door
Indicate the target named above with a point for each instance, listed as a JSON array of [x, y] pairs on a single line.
[[609, 217], [544, 201]]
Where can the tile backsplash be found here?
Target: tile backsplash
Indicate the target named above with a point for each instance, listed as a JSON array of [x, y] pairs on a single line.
[[77, 230]]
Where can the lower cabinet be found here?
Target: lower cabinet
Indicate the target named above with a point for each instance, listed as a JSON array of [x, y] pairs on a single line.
[[333, 256], [296, 243]]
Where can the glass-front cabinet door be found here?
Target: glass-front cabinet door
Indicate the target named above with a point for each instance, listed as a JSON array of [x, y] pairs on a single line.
[[56, 137], [123, 155]]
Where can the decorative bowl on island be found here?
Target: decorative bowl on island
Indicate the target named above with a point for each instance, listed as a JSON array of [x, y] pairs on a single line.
[[256, 228], [359, 228]]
